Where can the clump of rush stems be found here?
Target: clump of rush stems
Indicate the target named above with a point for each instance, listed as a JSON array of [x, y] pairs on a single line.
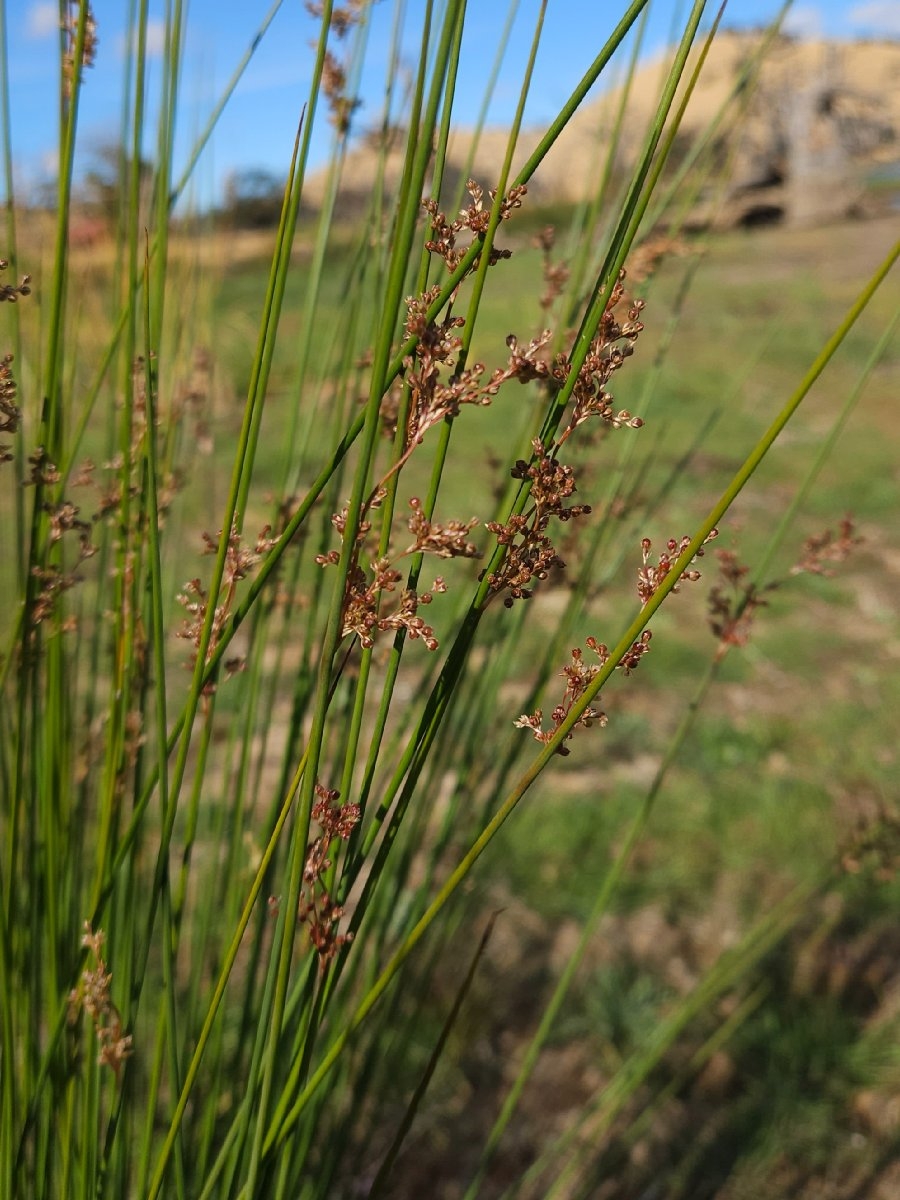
[[128, 801]]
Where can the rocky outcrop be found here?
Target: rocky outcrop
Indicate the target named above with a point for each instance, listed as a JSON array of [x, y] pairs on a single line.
[[816, 122]]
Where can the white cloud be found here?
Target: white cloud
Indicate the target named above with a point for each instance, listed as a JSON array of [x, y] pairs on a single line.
[[878, 17], [804, 22], [43, 20], [49, 163], [156, 40]]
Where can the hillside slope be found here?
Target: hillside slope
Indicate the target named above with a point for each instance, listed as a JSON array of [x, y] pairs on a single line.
[[821, 117]]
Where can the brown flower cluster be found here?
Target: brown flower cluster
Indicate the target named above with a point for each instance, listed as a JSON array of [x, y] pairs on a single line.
[[54, 578], [64, 519], [647, 255], [9, 410], [93, 996], [827, 547], [10, 414], [343, 18], [364, 612], [475, 218], [556, 275], [334, 73], [578, 676], [191, 397], [334, 85], [611, 345], [431, 399], [239, 561], [42, 471], [446, 541], [12, 291], [70, 26], [112, 488], [530, 554], [525, 363], [317, 911], [733, 602], [651, 575]]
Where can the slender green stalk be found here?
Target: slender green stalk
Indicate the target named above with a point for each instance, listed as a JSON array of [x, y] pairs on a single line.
[[390, 1158]]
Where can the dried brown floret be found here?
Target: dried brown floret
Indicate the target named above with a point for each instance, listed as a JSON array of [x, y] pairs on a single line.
[[91, 41], [446, 541], [611, 345], [93, 996], [531, 554], [651, 575], [733, 601], [9, 411], [827, 547], [556, 275], [317, 911], [12, 291], [475, 218], [195, 599]]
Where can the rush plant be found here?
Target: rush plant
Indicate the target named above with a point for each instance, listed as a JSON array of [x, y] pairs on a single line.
[[272, 686]]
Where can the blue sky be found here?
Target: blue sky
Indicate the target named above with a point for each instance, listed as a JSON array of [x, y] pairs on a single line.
[[258, 127]]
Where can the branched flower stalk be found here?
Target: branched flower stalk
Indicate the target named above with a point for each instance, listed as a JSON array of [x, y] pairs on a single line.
[[93, 995]]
